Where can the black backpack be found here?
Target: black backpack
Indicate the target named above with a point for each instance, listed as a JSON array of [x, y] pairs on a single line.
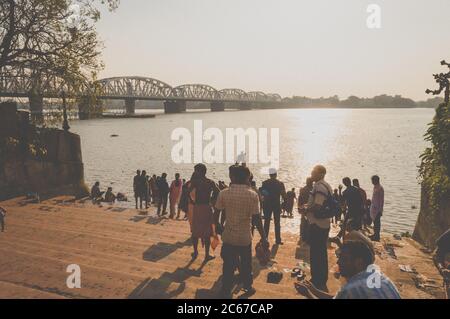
[[330, 207]]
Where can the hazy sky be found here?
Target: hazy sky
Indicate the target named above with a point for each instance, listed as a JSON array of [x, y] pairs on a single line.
[[291, 47]]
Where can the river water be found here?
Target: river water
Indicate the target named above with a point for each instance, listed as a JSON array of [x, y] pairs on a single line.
[[350, 142]]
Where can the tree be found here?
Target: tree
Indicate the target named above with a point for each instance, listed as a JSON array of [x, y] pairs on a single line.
[[51, 37]]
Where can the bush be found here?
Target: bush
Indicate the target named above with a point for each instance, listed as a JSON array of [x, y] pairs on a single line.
[[434, 169]]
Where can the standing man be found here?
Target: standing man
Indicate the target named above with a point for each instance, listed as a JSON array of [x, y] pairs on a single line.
[[241, 204], [363, 194], [273, 191], [319, 228], [163, 189], [303, 198], [152, 185], [353, 201], [144, 189], [2, 218], [337, 195], [175, 193], [289, 202], [376, 207], [137, 187]]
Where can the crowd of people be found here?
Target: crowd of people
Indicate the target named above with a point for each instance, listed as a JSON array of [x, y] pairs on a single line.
[[231, 212]]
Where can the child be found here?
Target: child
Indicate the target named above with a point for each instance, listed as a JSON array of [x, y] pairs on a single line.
[[2, 218]]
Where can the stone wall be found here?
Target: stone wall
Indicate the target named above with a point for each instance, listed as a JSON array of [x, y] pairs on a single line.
[[431, 223], [56, 170]]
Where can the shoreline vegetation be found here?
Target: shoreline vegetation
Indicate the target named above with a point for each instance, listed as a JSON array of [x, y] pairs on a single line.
[[296, 102], [352, 102]]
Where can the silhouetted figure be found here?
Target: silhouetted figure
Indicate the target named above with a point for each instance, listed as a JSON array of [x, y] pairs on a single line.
[[96, 194], [303, 197], [144, 186], [289, 202], [183, 204], [136, 187], [337, 195], [353, 201], [163, 191], [153, 189], [368, 221], [363, 194], [149, 192], [175, 193], [273, 191], [179, 208], [109, 196], [377, 206], [2, 218], [319, 228], [205, 192]]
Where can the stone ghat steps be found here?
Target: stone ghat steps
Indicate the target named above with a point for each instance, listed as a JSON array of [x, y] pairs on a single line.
[[158, 253], [84, 219], [114, 279], [69, 231], [119, 257], [19, 291]]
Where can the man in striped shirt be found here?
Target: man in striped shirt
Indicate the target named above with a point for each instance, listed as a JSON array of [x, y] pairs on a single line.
[[364, 280]]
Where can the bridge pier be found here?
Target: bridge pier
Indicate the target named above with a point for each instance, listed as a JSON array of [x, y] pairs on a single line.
[[87, 109], [217, 106], [36, 107], [171, 106], [84, 108], [245, 106], [130, 106]]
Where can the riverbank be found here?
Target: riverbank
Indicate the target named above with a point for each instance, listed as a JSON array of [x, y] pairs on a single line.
[[125, 253]]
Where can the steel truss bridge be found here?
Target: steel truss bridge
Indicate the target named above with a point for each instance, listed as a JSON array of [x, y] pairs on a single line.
[[133, 88], [143, 88]]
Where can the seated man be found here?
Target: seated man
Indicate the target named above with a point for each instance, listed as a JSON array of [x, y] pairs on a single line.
[[364, 281], [96, 194], [109, 196], [442, 259]]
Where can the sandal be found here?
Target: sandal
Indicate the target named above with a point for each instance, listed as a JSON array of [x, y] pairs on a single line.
[[295, 272], [301, 276]]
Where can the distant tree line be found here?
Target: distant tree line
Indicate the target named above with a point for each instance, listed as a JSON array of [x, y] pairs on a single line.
[[379, 101]]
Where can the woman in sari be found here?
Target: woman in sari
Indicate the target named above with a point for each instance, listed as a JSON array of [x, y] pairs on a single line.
[[175, 193], [202, 222]]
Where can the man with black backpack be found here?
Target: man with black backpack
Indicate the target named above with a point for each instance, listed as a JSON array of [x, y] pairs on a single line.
[[319, 210]]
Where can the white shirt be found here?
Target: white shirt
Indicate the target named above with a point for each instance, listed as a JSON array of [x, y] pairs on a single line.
[[317, 197]]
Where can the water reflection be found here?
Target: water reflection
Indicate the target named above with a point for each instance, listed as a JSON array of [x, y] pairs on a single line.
[[354, 143]]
